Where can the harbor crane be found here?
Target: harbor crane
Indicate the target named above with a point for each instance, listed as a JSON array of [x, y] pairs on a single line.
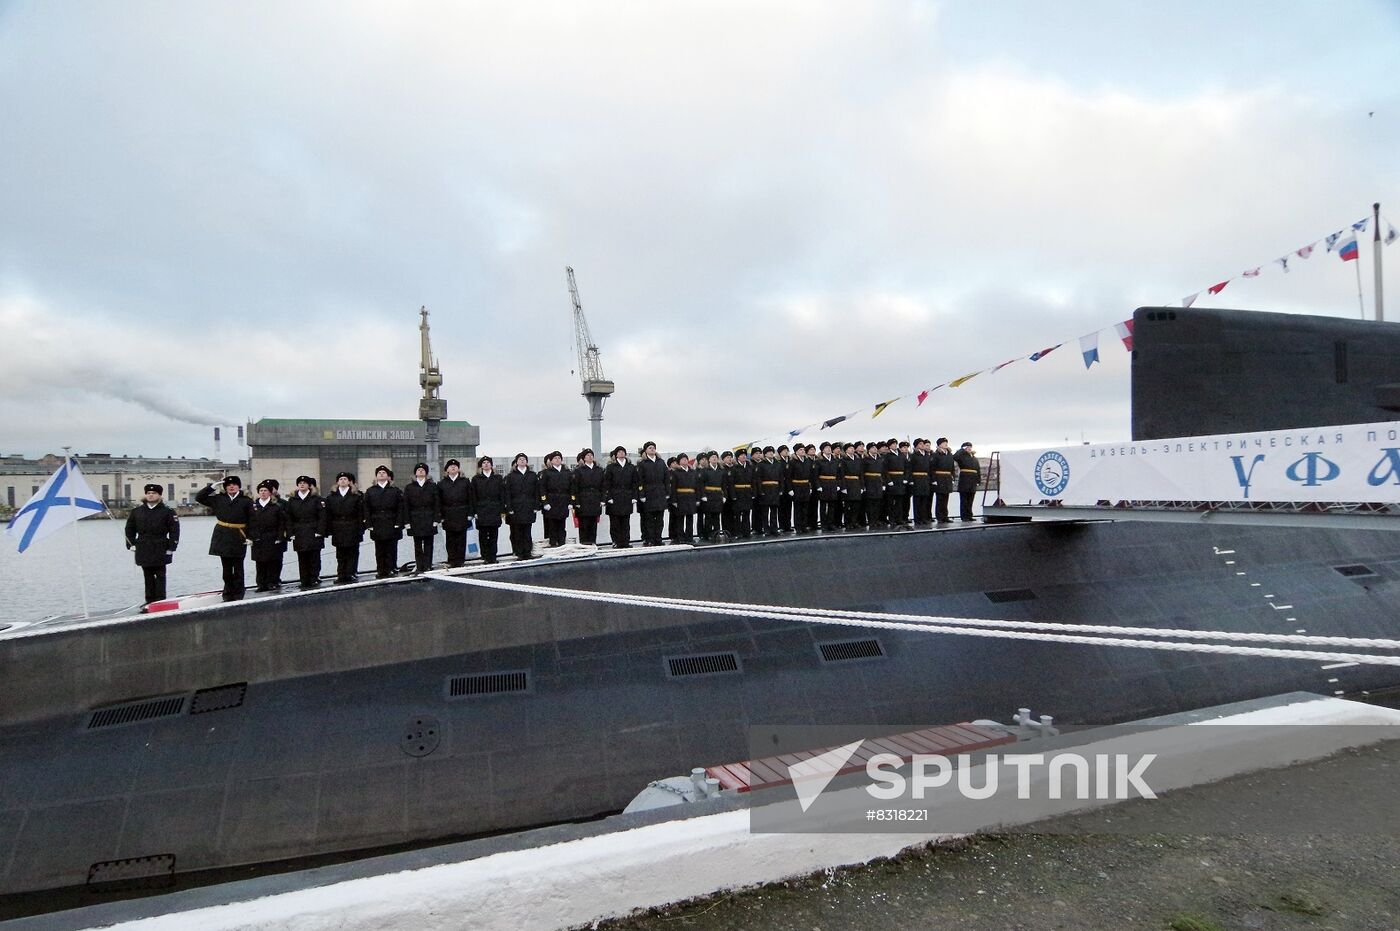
[[596, 388], [432, 410]]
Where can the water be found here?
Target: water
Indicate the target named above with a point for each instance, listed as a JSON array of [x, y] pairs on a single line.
[[43, 580]]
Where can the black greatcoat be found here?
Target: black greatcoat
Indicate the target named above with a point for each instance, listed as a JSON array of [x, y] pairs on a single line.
[[154, 532], [455, 500], [651, 484], [267, 529], [555, 491], [227, 541], [969, 470], [852, 477], [942, 472], [895, 473], [586, 489], [489, 498], [828, 478], [306, 521], [874, 475], [423, 507], [711, 489], [345, 517], [384, 512], [741, 486], [522, 496], [619, 487], [685, 490], [799, 478], [769, 476], [919, 468]]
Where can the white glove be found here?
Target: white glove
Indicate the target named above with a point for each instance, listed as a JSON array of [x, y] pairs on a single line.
[[546, 507], [642, 499], [789, 492], [703, 500], [610, 501]]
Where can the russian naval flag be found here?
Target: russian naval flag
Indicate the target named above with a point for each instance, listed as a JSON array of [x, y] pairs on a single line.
[[64, 498]]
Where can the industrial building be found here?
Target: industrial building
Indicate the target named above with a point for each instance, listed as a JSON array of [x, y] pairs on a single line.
[[118, 480], [284, 449]]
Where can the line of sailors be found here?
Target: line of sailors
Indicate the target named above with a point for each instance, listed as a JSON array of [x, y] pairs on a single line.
[[769, 491]]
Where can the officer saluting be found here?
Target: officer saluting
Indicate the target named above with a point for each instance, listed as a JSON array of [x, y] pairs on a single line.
[[153, 530], [232, 509]]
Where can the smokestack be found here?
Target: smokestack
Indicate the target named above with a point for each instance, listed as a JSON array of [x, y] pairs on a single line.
[[218, 456]]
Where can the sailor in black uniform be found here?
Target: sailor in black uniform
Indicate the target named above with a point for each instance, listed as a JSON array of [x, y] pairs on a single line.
[[894, 467], [711, 490], [785, 499], [828, 488], [153, 530], [943, 465], [769, 477], [306, 525], [853, 486], [229, 540], [386, 516], [522, 500], [455, 503], [345, 522], [586, 493], [874, 474], [969, 476], [267, 532], [555, 491], [798, 481], [651, 493], [741, 494], [921, 482], [673, 517], [424, 511], [489, 500], [619, 488], [726, 466], [685, 498]]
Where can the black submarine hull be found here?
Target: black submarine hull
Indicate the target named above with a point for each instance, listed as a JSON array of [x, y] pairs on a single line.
[[404, 711]]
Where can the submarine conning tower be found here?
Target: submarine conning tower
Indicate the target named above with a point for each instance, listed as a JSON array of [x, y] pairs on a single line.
[[1208, 371]]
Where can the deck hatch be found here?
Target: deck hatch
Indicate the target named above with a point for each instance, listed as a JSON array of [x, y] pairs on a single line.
[[704, 664], [1010, 594], [840, 651], [478, 684], [135, 712], [1355, 571], [219, 698]]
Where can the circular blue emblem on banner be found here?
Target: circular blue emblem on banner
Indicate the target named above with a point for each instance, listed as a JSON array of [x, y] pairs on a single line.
[[1051, 474]]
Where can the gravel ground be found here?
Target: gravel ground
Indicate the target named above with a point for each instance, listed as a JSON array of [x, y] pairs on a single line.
[[1345, 876]]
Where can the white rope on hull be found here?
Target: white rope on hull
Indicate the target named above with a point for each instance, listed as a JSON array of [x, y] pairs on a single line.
[[977, 627]]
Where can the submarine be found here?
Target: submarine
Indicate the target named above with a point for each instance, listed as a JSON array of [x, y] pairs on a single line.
[[162, 747]]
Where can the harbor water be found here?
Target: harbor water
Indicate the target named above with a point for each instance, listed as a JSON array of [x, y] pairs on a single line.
[[44, 579]]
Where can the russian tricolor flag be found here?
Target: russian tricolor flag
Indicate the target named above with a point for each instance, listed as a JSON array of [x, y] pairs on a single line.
[[1348, 250]]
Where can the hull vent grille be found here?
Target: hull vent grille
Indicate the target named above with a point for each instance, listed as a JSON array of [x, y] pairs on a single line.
[[844, 650], [706, 664], [476, 685], [136, 712]]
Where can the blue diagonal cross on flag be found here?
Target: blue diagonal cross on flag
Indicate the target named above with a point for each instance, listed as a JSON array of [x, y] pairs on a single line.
[[64, 498]]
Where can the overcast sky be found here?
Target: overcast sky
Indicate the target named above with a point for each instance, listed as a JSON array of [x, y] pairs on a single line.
[[777, 212]]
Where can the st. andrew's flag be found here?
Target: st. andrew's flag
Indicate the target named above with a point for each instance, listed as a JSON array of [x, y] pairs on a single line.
[[64, 498]]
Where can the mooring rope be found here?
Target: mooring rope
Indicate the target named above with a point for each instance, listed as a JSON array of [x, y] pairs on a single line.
[[973, 627]]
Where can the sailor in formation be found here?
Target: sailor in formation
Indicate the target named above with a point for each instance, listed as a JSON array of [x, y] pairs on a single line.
[[837, 487], [153, 531]]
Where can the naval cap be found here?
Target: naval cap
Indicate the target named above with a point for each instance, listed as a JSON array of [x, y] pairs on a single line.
[[152, 486]]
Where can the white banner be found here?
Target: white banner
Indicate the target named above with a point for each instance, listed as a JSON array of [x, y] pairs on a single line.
[[1354, 463]]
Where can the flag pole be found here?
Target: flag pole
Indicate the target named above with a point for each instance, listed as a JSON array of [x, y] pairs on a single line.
[[1360, 301], [77, 536], [1376, 256]]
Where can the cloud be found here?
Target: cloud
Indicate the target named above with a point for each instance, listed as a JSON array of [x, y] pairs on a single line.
[[776, 213]]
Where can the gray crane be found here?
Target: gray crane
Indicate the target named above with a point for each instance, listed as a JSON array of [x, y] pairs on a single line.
[[596, 388]]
